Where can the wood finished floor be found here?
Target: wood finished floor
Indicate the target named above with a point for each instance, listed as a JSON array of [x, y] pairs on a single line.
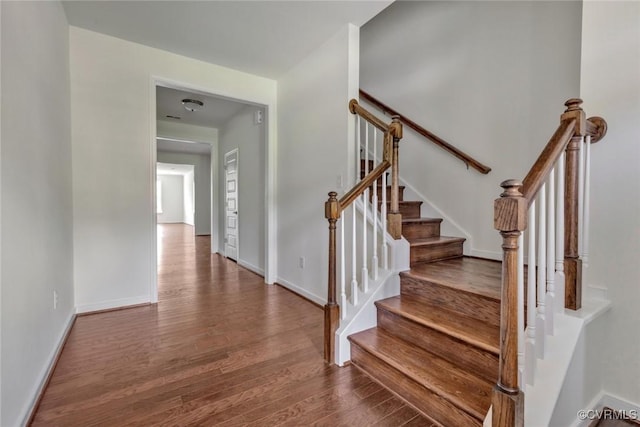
[[220, 348]]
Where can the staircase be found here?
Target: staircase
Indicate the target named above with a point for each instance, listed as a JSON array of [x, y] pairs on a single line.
[[436, 345], [464, 334]]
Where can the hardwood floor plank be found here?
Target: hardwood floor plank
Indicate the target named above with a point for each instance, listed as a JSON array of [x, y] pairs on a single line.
[[219, 348]]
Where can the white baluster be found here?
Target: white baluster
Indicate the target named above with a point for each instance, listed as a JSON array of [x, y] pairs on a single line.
[[354, 278], [383, 217], [585, 208], [542, 276], [530, 344], [580, 196], [559, 279], [520, 308], [358, 150], [365, 205], [374, 208], [551, 254], [343, 291]]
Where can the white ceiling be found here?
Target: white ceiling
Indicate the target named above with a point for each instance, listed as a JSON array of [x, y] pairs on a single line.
[[214, 113], [266, 38], [173, 169]]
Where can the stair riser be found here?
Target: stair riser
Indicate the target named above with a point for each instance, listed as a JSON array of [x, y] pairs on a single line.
[[425, 401], [420, 230], [372, 164], [408, 210], [436, 252], [468, 304], [400, 194], [480, 362]]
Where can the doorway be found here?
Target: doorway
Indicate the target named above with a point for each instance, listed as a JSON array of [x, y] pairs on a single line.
[[231, 204], [175, 194], [259, 167]]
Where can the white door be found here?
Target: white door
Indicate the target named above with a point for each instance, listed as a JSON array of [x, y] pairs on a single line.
[[231, 203]]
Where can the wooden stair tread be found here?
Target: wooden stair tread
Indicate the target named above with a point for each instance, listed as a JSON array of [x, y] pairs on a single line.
[[421, 220], [467, 329], [434, 241], [472, 275], [463, 389]]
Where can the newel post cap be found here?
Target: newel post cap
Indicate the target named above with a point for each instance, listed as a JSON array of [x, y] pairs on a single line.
[[573, 104], [574, 112], [512, 188], [396, 127], [510, 210], [332, 207]]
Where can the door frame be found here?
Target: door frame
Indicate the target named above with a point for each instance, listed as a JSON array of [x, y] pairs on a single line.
[[270, 261]]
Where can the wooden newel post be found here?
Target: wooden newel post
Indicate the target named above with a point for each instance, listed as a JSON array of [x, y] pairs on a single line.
[[510, 218], [394, 217], [572, 261], [331, 309]]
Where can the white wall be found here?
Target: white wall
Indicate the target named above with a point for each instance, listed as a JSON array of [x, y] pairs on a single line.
[[36, 196], [610, 87], [202, 177], [489, 77], [241, 132], [584, 379], [173, 199], [315, 140], [189, 197], [113, 123]]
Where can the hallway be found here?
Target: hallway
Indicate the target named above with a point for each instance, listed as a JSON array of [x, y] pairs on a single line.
[[220, 348]]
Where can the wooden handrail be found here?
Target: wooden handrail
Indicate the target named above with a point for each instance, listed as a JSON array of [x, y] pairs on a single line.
[[548, 158], [358, 109], [365, 183], [467, 159]]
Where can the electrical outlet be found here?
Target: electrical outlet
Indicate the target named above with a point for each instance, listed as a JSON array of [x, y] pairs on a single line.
[[339, 181], [301, 262], [55, 300]]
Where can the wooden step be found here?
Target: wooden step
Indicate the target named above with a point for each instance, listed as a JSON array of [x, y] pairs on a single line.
[[420, 228], [408, 209], [439, 389], [460, 339], [469, 286], [431, 249]]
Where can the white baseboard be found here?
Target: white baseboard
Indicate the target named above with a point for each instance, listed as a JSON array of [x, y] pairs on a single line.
[[46, 372], [620, 404], [297, 289], [251, 267], [486, 254], [116, 303], [604, 399]]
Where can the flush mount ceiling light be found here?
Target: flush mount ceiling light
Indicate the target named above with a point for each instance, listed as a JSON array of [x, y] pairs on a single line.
[[192, 104]]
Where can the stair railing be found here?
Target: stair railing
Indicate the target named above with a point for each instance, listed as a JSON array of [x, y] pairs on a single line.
[[556, 193], [367, 131], [466, 158]]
